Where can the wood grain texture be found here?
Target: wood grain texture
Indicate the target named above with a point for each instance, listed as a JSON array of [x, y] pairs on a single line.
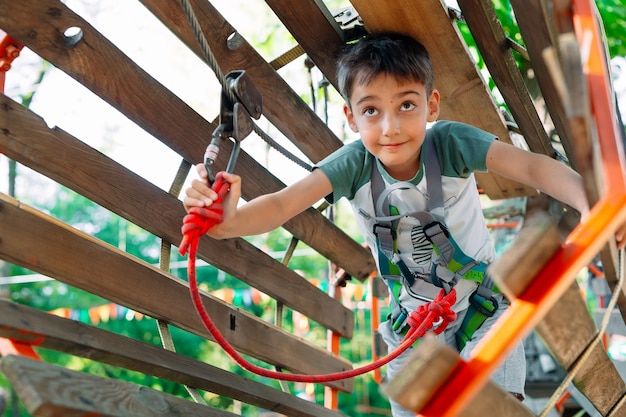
[[539, 32], [431, 363], [52, 391], [37, 242], [537, 241], [40, 26], [567, 330], [28, 325], [482, 21], [69, 161]]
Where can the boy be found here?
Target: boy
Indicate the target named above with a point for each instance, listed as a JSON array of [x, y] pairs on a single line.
[[387, 83]]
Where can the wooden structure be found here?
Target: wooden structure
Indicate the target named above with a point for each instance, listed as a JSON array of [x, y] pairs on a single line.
[[38, 242]]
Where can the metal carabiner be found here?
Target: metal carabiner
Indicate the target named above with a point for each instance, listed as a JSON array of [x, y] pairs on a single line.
[[235, 118]]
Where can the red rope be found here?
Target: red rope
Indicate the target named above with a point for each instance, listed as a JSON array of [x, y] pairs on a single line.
[[200, 220]]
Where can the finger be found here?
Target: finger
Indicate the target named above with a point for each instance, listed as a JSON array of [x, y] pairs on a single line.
[[202, 172]]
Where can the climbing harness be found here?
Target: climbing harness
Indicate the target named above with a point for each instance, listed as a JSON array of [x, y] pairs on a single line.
[[450, 264]]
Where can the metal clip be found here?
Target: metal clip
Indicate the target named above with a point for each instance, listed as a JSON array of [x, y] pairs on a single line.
[[235, 117]]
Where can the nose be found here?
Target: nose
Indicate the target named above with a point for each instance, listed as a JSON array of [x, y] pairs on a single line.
[[390, 125]]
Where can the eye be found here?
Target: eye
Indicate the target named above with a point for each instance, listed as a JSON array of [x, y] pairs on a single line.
[[369, 112], [407, 106]]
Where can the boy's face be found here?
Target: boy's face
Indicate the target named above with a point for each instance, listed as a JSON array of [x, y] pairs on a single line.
[[391, 117]]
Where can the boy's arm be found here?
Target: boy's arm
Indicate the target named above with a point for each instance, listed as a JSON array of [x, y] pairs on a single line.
[[261, 214], [540, 172], [545, 174]]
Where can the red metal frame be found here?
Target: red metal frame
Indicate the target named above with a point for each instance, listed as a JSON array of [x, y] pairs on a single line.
[[580, 247]]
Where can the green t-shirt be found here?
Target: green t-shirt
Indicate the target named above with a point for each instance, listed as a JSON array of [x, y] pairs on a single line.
[[462, 150]]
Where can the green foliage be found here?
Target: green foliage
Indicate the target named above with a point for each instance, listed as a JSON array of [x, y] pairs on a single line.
[[613, 14]]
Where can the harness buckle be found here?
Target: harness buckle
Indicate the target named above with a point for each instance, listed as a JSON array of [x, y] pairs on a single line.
[[487, 306], [399, 322], [441, 228], [388, 230], [440, 280]]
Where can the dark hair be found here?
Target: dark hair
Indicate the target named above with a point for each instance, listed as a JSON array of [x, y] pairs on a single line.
[[383, 53]]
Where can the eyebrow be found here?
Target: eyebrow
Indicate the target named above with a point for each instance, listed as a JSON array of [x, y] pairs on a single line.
[[399, 95]]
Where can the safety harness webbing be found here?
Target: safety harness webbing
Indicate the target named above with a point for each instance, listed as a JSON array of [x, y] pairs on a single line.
[[450, 264]]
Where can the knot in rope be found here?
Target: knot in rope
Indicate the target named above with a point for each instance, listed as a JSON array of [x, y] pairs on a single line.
[[200, 219], [439, 311]]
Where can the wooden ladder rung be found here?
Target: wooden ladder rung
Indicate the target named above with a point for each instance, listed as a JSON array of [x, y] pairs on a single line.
[[429, 367]]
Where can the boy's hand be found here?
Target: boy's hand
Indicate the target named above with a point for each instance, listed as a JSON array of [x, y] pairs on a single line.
[[201, 195]]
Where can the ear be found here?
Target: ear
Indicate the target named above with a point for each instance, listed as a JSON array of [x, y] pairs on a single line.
[[350, 117], [433, 106]]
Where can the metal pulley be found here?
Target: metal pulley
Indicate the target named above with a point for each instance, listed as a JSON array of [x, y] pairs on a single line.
[[240, 103]]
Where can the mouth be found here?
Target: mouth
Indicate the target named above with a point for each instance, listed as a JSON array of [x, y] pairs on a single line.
[[392, 146]]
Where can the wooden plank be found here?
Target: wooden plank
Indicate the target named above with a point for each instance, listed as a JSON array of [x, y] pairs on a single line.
[[568, 327], [567, 330], [539, 32], [124, 86], [90, 173], [566, 70], [456, 76], [430, 365], [537, 241], [52, 391], [483, 22], [232, 52], [38, 242], [314, 28], [28, 325]]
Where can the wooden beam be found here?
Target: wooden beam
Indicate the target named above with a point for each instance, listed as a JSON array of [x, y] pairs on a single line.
[[232, 52], [567, 331], [539, 32], [456, 76], [50, 247], [63, 158], [537, 241], [124, 86], [28, 325], [430, 365], [567, 328], [315, 29], [564, 64], [483, 22], [52, 391]]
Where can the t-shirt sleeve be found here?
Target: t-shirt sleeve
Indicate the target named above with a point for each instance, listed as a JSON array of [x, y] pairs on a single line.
[[462, 148], [346, 170]]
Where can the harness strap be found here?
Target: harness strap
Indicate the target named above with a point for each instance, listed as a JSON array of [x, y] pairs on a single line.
[[451, 263]]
